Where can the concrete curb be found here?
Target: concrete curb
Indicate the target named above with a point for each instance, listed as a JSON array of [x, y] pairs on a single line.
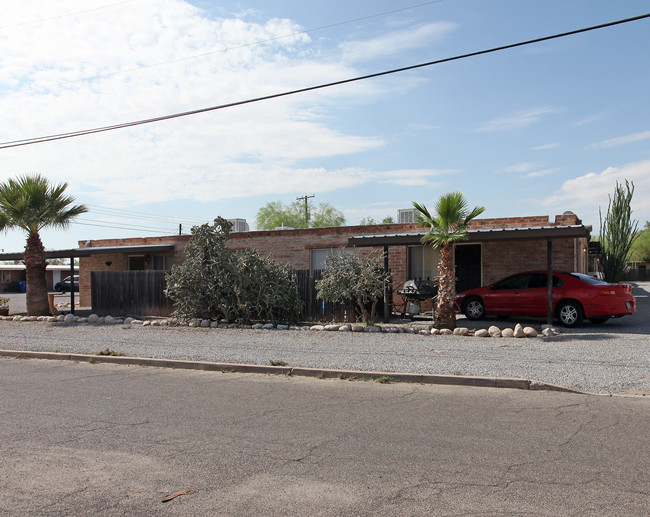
[[320, 373]]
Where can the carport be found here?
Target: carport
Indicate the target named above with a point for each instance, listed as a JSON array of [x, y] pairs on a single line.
[[75, 253], [505, 235]]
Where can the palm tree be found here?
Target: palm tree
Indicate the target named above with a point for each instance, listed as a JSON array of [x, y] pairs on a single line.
[[31, 204], [448, 225]]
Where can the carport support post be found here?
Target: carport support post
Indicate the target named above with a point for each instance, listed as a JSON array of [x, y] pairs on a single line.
[[72, 285], [386, 287], [549, 281]]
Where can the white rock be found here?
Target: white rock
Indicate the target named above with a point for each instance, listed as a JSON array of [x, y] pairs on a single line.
[[128, 321], [494, 331], [357, 328], [69, 318], [101, 319], [461, 331], [214, 325], [268, 326], [391, 330], [530, 332], [445, 332], [146, 323], [316, 328], [345, 328], [424, 332], [258, 326], [519, 331], [372, 328], [204, 323], [508, 333], [331, 328], [93, 318], [60, 318], [482, 333], [282, 327], [435, 331], [109, 320]]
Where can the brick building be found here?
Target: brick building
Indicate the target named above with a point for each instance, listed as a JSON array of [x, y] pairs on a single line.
[[495, 248]]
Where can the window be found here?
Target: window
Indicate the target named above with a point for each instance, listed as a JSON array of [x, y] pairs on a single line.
[[541, 280], [422, 262], [5, 277], [513, 282], [163, 262], [318, 256]]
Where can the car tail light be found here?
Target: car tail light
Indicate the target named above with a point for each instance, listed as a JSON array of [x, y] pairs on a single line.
[[607, 291]]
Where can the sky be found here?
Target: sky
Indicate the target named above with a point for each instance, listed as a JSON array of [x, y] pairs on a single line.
[[536, 130]]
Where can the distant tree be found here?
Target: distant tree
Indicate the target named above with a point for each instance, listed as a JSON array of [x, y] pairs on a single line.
[[352, 277], [447, 225], [617, 232], [31, 203], [276, 214], [641, 246], [367, 221]]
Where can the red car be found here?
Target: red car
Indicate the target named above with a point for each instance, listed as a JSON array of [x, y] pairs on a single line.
[[575, 297]]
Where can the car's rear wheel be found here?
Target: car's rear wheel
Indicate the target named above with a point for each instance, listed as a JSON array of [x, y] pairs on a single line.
[[599, 320], [570, 313], [474, 308]]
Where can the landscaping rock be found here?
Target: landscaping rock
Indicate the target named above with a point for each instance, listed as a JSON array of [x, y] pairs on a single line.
[[461, 331], [101, 319], [372, 328], [258, 326], [435, 332], [109, 320], [345, 328], [268, 326], [146, 323], [424, 332], [68, 318], [494, 331], [357, 328], [391, 330], [530, 332], [445, 332], [93, 318], [60, 318], [508, 333], [316, 328], [483, 333], [519, 331], [331, 328], [282, 327]]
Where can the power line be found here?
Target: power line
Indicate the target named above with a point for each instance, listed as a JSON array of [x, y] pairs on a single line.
[[132, 228], [72, 134], [64, 15], [118, 212], [236, 47]]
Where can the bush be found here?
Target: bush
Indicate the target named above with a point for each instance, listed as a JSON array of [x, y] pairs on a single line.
[[353, 277], [215, 283]]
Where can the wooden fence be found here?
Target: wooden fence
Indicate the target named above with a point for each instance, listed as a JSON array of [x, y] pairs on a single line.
[[142, 293], [129, 293]]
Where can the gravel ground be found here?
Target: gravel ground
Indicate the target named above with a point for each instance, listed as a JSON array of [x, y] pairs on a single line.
[[612, 358]]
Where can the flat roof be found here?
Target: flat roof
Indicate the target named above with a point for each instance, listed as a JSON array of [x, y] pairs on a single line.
[[99, 250], [480, 235]]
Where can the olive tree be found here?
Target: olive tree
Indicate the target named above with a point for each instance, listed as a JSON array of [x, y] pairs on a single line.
[[356, 278]]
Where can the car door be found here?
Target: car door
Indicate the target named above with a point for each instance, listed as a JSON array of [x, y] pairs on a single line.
[[535, 299], [505, 296]]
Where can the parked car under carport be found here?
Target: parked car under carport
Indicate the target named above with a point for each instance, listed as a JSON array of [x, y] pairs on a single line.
[[575, 297]]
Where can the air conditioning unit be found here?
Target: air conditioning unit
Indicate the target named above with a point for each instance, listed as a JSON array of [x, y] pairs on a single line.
[[406, 215], [239, 225]]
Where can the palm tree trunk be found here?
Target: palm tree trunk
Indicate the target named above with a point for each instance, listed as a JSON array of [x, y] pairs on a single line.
[[35, 263], [445, 315]]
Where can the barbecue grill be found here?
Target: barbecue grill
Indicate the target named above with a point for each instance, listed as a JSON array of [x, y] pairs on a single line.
[[415, 291]]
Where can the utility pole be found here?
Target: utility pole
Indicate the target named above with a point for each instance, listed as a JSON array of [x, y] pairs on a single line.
[[305, 198]]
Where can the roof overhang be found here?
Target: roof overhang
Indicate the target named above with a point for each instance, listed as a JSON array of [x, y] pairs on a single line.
[[100, 250], [482, 235]]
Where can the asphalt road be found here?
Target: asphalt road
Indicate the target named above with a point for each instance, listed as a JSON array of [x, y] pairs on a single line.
[[92, 439]]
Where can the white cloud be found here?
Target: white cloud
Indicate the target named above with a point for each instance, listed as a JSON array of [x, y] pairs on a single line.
[[546, 147], [252, 150], [540, 173], [585, 194], [621, 140], [517, 120], [520, 167], [414, 177], [395, 42]]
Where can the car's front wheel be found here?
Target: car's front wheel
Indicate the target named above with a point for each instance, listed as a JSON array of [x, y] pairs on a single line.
[[474, 308], [570, 313]]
